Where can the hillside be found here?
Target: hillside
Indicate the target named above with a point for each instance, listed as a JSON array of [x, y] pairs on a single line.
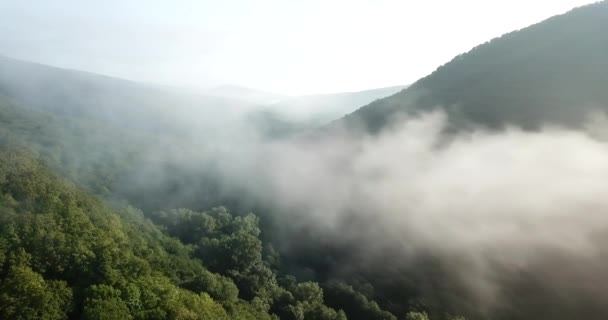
[[63, 254], [102, 132], [72, 244], [551, 72]]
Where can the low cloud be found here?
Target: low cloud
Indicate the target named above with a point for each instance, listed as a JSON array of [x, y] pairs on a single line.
[[494, 202]]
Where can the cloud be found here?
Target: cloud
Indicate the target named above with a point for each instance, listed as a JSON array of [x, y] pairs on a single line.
[[494, 202]]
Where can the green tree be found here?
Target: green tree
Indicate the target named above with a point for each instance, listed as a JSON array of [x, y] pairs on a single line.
[[416, 316], [355, 305], [24, 294], [104, 302]]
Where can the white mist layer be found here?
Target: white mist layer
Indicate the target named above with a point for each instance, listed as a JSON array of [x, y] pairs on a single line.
[[492, 197]]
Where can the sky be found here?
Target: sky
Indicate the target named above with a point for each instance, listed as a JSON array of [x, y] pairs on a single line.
[[281, 46]]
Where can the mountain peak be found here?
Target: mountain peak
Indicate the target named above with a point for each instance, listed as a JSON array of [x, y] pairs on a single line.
[[551, 72]]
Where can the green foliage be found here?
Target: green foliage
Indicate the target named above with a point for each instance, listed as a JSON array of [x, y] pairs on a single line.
[[121, 266], [104, 302], [24, 294], [198, 307], [219, 287], [227, 245], [355, 305], [50, 230], [303, 301], [416, 316]]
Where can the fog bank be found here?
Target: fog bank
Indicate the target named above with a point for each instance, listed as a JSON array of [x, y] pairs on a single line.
[[492, 202]]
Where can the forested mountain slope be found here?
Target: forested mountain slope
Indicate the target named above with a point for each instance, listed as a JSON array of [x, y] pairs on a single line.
[[63, 254], [102, 132], [66, 254], [551, 72]]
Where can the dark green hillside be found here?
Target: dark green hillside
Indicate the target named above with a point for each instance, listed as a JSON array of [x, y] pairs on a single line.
[[552, 72]]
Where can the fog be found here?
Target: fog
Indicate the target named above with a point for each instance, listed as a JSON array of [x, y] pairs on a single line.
[[494, 184], [491, 204], [266, 44]]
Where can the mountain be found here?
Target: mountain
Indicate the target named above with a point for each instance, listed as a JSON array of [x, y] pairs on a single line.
[[115, 101], [72, 244], [114, 136], [308, 112], [252, 96], [551, 72], [326, 107], [125, 103], [317, 108]]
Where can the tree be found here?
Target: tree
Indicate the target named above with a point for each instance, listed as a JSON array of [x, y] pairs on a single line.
[[26, 295], [416, 316], [104, 302], [355, 305]]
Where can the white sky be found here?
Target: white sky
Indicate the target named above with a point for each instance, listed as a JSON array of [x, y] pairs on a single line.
[[290, 47]]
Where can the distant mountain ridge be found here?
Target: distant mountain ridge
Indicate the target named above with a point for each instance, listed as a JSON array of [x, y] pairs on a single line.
[[308, 112], [250, 95], [332, 105], [80, 94]]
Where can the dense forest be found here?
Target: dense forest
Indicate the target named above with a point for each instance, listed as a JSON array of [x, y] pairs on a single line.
[[72, 248], [112, 207]]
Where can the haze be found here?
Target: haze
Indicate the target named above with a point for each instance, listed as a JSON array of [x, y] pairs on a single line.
[[287, 47]]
